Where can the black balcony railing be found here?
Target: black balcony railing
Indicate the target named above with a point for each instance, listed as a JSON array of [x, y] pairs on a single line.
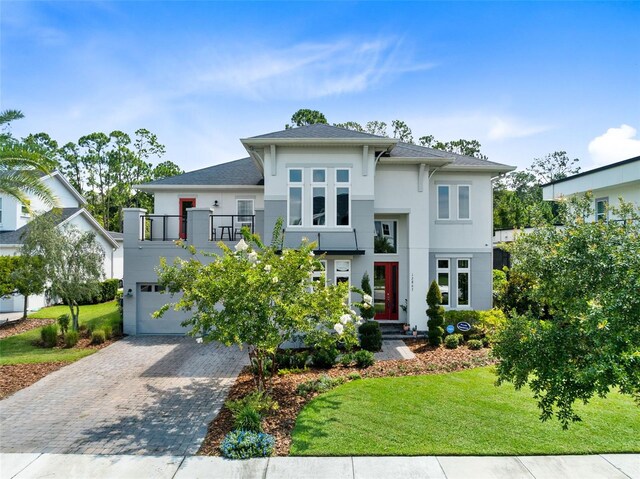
[[230, 227]]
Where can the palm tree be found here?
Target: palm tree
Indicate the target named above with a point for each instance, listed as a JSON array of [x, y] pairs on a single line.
[[21, 167]]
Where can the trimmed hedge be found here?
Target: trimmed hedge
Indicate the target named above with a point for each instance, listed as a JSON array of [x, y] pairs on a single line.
[[370, 336]]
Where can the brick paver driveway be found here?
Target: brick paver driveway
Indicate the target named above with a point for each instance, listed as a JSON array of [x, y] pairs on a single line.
[[143, 395]]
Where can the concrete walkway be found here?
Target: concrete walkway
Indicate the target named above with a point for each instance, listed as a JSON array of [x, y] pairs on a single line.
[[605, 466], [394, 349], [141, 395]]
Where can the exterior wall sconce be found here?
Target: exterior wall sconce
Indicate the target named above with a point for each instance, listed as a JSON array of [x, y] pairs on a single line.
[[129, 293], [215, 204]]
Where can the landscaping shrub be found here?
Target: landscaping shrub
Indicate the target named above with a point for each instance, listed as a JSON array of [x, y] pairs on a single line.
[[63, 322], [248, 419], [364, 358], [366, 311], [97, 336], [454, 317], [370, 336], [49, 335], [246, 444], [71, 339], [109, 289], [119, 299], [257, 400], [452, 341], [108, 331], [436, 314], [486, 342], [474, 344], [325, 358], [346, 360], [267, 365], [285, 371], [490, 322], [354, 376], [320, 385], [290, 359]]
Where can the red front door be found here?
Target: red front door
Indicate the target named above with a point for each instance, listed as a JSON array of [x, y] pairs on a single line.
[[385, 290], [184, 204]]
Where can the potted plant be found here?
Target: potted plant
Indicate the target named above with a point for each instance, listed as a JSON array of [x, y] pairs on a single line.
[[406, 327], [415, 331]]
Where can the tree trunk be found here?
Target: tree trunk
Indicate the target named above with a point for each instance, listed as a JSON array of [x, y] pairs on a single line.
[[75, 312], [26, 302]]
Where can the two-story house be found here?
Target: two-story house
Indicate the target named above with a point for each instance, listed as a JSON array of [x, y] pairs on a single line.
[[402, 213], [70, 209]]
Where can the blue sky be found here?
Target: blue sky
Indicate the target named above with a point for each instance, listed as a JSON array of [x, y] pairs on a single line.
[[525, 79]]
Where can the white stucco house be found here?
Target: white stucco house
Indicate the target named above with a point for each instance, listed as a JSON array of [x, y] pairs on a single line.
[[607, 184], [14, 221], [403, 213]]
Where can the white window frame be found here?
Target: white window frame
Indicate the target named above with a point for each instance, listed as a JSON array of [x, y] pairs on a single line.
[[605, 213], [323, 185], [0, 210], [340, 274], [448, 187], [444, 289], [253, 209], [469, 210], [467, 271], [394, 225], [295, 184], [317, 274], [337, 185]]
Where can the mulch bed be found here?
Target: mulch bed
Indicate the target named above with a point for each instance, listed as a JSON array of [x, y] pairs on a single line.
[[280, 424], [11, 328]]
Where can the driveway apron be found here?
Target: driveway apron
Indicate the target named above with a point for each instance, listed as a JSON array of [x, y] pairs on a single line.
[[141, 395]]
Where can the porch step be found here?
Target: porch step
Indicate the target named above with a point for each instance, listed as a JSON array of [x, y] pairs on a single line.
[[396, 331]]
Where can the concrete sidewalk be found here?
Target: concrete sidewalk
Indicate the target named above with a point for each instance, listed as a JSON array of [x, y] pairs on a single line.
[[81, 466]]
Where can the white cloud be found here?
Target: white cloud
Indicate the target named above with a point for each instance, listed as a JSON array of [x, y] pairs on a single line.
[[505, 128], [615, 145]]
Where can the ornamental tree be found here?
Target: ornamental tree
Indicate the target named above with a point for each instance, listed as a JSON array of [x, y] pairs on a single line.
[[256, 295], [436, 314], [585, 276], [366, 308]]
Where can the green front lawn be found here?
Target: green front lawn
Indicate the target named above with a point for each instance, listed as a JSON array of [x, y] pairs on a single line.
[[455, 414], [20, 349]]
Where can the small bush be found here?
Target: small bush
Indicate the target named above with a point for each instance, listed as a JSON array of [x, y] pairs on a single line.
[[320, 385], [353, 376], [370, 336], [109, 289], [346, 360], [71, 339], [474, 344], [63, 322], [260, 401], [108, 331], [49, 335], [248, 419], [286, 371], [245, 444], [97, 336], [452, 341], [325, 358], [486, 342], [267, 366], [364, 359], [290, 359]]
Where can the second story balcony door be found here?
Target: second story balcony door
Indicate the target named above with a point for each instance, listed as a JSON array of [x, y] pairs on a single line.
[[184, 204]]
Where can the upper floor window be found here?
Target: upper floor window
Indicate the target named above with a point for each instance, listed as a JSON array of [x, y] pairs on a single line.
[[385, 240], [343, 200], [601, 208], [24, 208], [443, 202], [295, 204], [463, 202], [319, 192]]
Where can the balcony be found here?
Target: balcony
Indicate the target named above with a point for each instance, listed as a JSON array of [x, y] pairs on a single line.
[[173, 227]]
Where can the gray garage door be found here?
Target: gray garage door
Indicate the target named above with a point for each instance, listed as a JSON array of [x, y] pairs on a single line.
[[149, 300]]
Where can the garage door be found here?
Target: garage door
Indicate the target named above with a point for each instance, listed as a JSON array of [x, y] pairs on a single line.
[[149, 300]]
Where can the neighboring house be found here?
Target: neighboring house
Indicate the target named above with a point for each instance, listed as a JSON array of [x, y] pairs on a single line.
[[607, 184], [14, 221], [403, 213]]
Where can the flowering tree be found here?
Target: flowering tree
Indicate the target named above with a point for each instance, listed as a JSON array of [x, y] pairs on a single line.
[[257, 296]]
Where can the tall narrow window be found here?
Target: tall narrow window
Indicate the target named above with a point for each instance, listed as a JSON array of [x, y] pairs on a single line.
[[343, 271], [463, 282], [463, 202], [318, 274], [295, 197], [601, 209], [0, 211], [319, 190], [343, 201], [245, 211], [385, 240], [442, 274], [443, 202]]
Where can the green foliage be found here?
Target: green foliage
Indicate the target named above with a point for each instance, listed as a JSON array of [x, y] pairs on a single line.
[[322, 384], [354, 376], [248, 419], [71, 339], [436, 314], [364, 358], [474, 344], [585, 277], [23, 274], [452, 341], [246, 444], [517, 297], [63, 321], [268, 295], [370, 336], [109, 289], [346, 359], [455, 316], [292, 359], [98, 336], [499, 285], [304, 117], [325, 358], [108, 331], [490, 323], [401, 131], [366, 310], [49, 335], [257, 400], [7, 265]]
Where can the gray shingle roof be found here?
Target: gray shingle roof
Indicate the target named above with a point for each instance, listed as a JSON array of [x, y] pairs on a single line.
[[238, 172], [15, 237], [318, 130], [408, 150], [116, 235]]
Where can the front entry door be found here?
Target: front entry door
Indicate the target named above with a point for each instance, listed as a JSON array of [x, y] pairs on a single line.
[[385, 290], [184, 204]]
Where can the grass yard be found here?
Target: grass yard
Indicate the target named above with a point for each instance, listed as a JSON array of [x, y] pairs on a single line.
[[19, 349], [455, 414]]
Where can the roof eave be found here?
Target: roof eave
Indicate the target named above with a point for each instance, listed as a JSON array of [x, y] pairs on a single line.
[[481, 168], [174, 187], [436, 162], [382, 142]]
